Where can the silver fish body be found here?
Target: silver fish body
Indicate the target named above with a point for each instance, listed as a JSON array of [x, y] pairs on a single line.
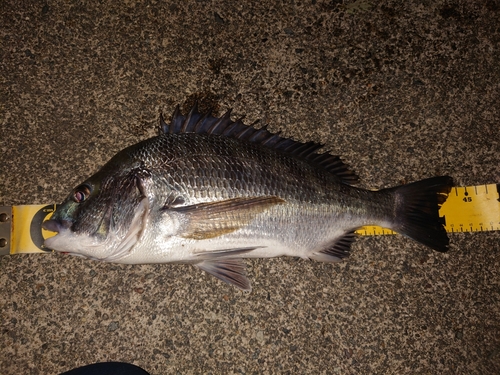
[[209, 191]]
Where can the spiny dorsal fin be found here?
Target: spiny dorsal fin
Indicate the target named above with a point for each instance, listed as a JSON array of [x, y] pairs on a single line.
[[196, 122]]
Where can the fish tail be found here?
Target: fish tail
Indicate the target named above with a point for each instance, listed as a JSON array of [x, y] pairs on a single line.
[[416, 211]]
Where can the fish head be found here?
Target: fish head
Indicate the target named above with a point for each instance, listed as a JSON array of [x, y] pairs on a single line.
[[104, 216]]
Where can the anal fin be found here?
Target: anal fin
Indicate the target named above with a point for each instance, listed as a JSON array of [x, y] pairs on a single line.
[[340, 249]]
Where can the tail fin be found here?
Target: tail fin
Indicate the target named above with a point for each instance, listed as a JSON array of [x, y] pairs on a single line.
[[417, 211]]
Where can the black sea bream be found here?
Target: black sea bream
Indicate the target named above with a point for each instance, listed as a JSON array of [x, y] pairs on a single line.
[[209, 191]]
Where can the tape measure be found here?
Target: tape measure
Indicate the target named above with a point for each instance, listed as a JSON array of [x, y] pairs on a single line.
[[467, 209]]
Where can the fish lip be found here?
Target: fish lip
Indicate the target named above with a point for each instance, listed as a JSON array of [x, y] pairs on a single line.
[[54, 225]]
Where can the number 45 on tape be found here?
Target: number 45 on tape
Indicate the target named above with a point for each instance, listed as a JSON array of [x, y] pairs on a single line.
[[472, 209]]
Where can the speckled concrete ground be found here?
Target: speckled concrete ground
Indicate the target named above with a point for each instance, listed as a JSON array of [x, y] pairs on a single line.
[[403, 91]]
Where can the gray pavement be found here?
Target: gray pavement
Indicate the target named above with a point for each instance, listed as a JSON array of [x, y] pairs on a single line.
[[402, 90]]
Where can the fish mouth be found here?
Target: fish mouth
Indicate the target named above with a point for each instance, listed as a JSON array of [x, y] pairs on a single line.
[[54, 225], [61, 228]]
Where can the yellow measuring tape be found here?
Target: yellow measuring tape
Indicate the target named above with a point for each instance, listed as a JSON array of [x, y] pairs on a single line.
[[467, 209]]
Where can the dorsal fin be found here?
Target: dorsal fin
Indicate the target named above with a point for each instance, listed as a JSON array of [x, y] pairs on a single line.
[[196, 122]]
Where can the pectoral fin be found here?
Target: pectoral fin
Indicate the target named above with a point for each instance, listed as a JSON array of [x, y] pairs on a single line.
[[213, 219], [231, 271]]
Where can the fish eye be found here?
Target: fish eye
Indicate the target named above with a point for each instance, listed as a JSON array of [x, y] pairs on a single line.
[[81, 193]]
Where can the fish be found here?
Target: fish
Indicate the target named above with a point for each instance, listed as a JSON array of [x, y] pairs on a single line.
[[210, 191]]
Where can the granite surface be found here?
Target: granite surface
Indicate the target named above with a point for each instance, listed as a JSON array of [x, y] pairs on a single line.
[[402, 90]]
